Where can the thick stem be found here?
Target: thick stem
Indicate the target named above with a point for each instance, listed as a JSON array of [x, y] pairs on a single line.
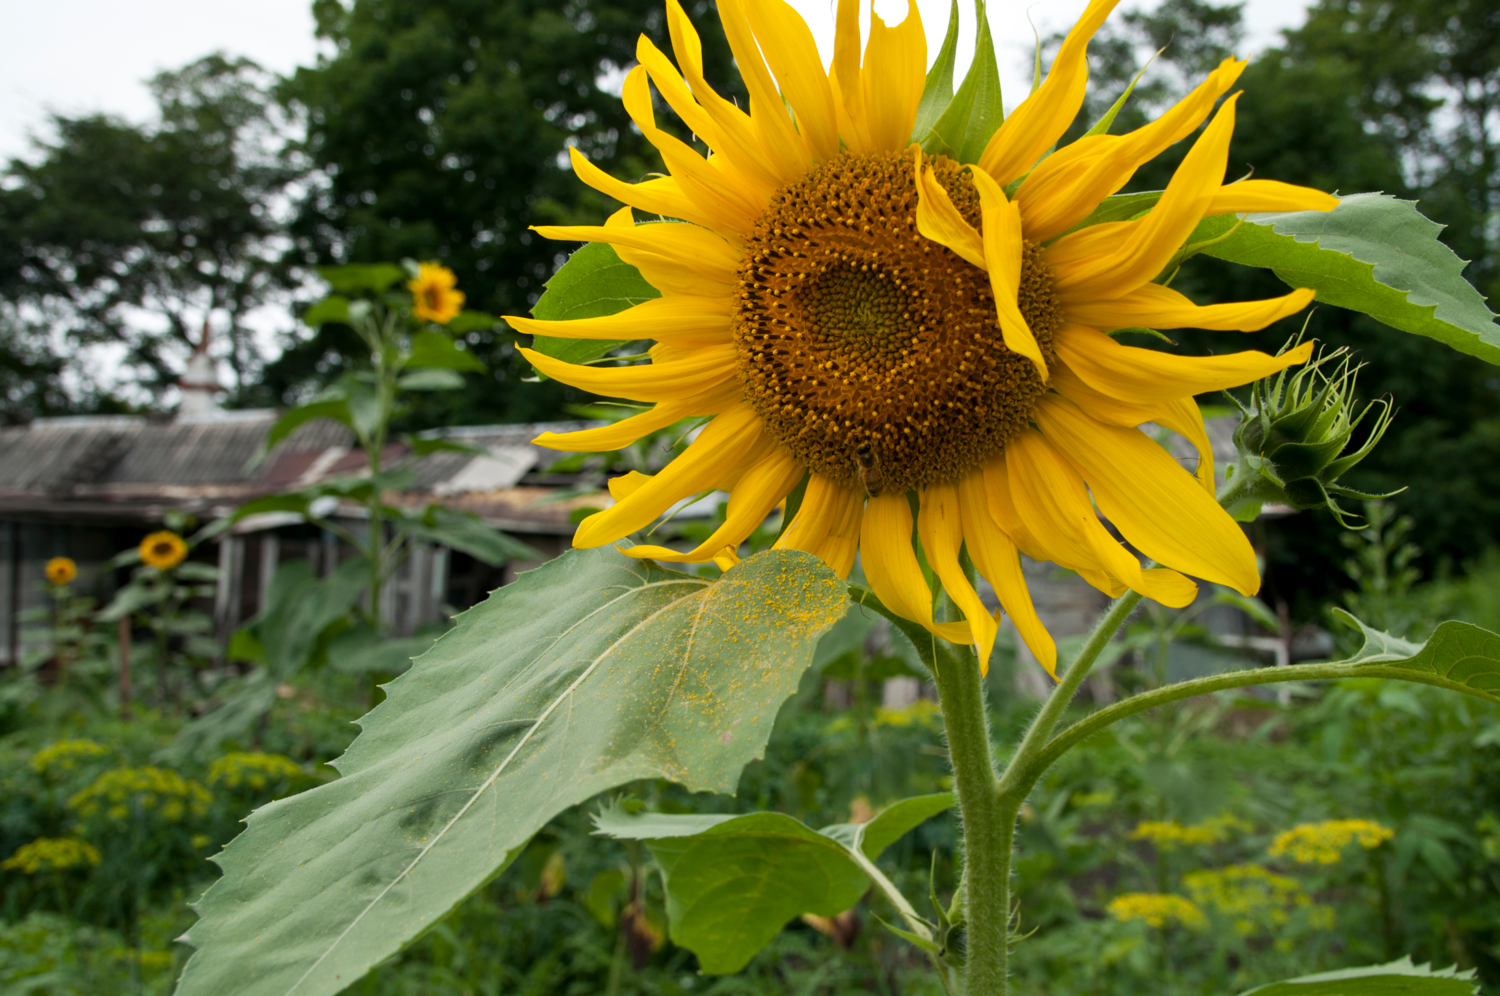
[[988, 826]]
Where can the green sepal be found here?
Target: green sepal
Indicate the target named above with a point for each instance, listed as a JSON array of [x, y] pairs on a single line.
[[937, 92], [971, 118]]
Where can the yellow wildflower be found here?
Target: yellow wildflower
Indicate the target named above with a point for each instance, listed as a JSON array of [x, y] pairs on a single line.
[[1157, 909], [1167, 834], [1257, 899], [65, 755], [252, 769], [889, 324], [1323, 843], [923, 712], [163, 550], [51, 854], [61, 570], [158, 790], [433, 296]]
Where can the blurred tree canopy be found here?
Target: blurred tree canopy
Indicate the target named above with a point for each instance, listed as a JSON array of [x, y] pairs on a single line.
[[1401, 96], [133, 236], [439, 129]]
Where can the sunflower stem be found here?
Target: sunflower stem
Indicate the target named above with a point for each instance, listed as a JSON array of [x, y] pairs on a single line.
[[988, 826]]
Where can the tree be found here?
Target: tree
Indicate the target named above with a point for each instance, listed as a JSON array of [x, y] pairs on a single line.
[[440, 130], [144, 236]]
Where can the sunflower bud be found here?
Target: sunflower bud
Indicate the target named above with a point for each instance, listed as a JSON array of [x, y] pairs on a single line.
[[1292, 437]]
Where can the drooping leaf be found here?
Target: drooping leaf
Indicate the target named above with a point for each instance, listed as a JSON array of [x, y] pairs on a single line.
[[593, 282], [334, 408], [355, 278], [431, 379], [733, 882], [891, 823], [1373, 254], [937, 92], [467, 533], [300, 607], [1399, 978], [1458, 655], [333, 308], [434, 349], [589, 672], [977, 109]]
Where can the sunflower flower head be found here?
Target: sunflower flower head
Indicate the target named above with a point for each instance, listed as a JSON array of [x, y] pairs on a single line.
[[434, 294], [163, 550], [1293, 435], [61, 571], [918, 341]]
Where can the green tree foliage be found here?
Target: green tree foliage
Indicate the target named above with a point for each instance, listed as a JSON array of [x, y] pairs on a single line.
[[117, 234], [1390, 96], [441, 130]]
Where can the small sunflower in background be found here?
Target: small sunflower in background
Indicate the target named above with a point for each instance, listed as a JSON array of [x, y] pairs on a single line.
[[61, 571], [906, 331], [163, 550], [434, 298]]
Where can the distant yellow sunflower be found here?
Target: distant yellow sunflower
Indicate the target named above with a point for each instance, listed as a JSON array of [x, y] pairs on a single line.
[[891, 324], [61, 570], [433, 296], [163, 550]]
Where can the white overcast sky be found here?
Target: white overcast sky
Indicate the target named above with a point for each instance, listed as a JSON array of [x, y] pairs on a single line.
[[79, 56]]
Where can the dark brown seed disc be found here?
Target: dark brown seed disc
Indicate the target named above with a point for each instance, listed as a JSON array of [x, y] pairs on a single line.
[[871, 352]]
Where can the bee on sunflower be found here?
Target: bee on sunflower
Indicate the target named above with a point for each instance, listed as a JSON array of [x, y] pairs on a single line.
[[909, 332]]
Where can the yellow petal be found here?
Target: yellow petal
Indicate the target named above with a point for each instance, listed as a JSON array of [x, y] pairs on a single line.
[[1147, 495], [761, 488], [1050, 496], [664, 196], [681, 321], [1002, 256], [1269, 195], [940, 526], [1040, 121], [938, 218], [827, 523], [645, 382], [624, 486], [998, 560], [849, 92], [892, 569], [730, 443], [1185, 418], [608, 438], [894, 74], [779, 140], [1111, 260], [1153, 306], [793, 54], [1071, 182], [1057, 549], [697, 249], [1140, 375]]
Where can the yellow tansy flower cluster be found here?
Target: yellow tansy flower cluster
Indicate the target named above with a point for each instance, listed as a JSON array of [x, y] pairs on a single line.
[[1157, 910], [1257, 898], [252, 769], [65, 755], [1167, 834], [923, 712], [1323, 843], [158, 790], [51, 854]]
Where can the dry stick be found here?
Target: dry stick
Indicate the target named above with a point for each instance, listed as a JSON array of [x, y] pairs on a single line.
[[124, 667]]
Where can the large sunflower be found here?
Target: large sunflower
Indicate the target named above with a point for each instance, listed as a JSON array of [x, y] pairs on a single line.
[[888, 324]]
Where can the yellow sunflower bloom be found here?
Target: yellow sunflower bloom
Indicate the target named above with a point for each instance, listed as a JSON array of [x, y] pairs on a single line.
[[433, 296], [887, 323], [163, 550], [61, 570]]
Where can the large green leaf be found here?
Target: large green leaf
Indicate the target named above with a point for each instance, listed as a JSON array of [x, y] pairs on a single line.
[[977, 109], [1399, 978], [1374, 254], [593, 282], [589, 672], [734, 881]]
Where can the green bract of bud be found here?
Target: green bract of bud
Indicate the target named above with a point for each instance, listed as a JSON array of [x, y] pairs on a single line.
[[1292, 437]]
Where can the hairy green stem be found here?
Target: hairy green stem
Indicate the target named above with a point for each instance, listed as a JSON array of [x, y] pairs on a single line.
[[988, 826], [1013, 783]]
